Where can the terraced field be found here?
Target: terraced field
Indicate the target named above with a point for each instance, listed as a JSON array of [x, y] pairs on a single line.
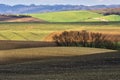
[[39, 31]]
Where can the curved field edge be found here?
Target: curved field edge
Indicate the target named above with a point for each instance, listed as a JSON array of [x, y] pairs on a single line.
[[75, 16], [16, 55], [106, 18], [73, 65], [39, 31], [66, 16]]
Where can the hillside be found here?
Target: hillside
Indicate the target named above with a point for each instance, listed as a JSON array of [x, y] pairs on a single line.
[[112, 18], [107, 18], [16, 55], [67, 16], [102, 15], [18, 18], [39, 31], [108, 11], [60, 63], [75, 16]]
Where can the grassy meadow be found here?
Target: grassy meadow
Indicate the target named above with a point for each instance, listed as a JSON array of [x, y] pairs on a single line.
[[9, 56], [38, 31], [75, 16], [66, 16]]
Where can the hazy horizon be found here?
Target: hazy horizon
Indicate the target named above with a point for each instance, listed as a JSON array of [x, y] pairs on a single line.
[[57, 4], [60, 2]]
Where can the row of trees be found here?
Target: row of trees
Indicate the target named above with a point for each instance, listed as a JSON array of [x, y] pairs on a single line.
[[85, 39], [109, 11], [15, 16]]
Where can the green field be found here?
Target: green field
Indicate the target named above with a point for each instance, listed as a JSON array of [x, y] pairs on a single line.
[[112, 17], [66, 16], [60, 63], [75, 16], [38, 31]]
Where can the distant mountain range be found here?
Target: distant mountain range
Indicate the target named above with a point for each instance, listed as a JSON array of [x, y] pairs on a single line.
[[22, 9]]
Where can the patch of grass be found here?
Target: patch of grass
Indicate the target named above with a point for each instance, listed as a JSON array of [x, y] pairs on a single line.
[[61, 63], [38, 31], [38, 53], [66, 16], [112, 18], [75, 16], [105, 18]]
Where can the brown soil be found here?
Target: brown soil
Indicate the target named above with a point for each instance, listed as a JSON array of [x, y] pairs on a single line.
[[9, 18], [5, 44]]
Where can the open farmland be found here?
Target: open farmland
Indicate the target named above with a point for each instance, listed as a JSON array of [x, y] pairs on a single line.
[[20, 59], [39, 31], [28, 50], [18, 18], [76, 16], [60, 63], [66, 16], [9, 56]]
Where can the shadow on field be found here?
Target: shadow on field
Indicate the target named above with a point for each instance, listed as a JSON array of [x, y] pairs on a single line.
[[7, 44], [86, 23], [99, 66], [50, 65]]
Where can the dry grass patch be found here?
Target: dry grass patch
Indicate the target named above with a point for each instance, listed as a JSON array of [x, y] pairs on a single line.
[[18, 55]]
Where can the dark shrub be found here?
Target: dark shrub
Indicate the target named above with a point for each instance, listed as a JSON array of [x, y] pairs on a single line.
[[85, 39]]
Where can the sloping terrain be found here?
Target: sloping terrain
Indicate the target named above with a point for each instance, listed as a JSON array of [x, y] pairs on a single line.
[[109, 36], [67, 16], [106, 18], [14, 55], [63, 16], [15, 18], [109, 14], [7, 44], [39, 31], [112, 18], [76, 16], [60, 63], [108, 11]]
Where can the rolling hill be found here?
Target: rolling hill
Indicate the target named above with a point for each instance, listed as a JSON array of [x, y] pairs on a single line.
[[66, 16], [18, 18], [108, 18], [59, 63], [108, 11], [75, 16], [14, 55], [39, 31], [19, 37], [112, 18]]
